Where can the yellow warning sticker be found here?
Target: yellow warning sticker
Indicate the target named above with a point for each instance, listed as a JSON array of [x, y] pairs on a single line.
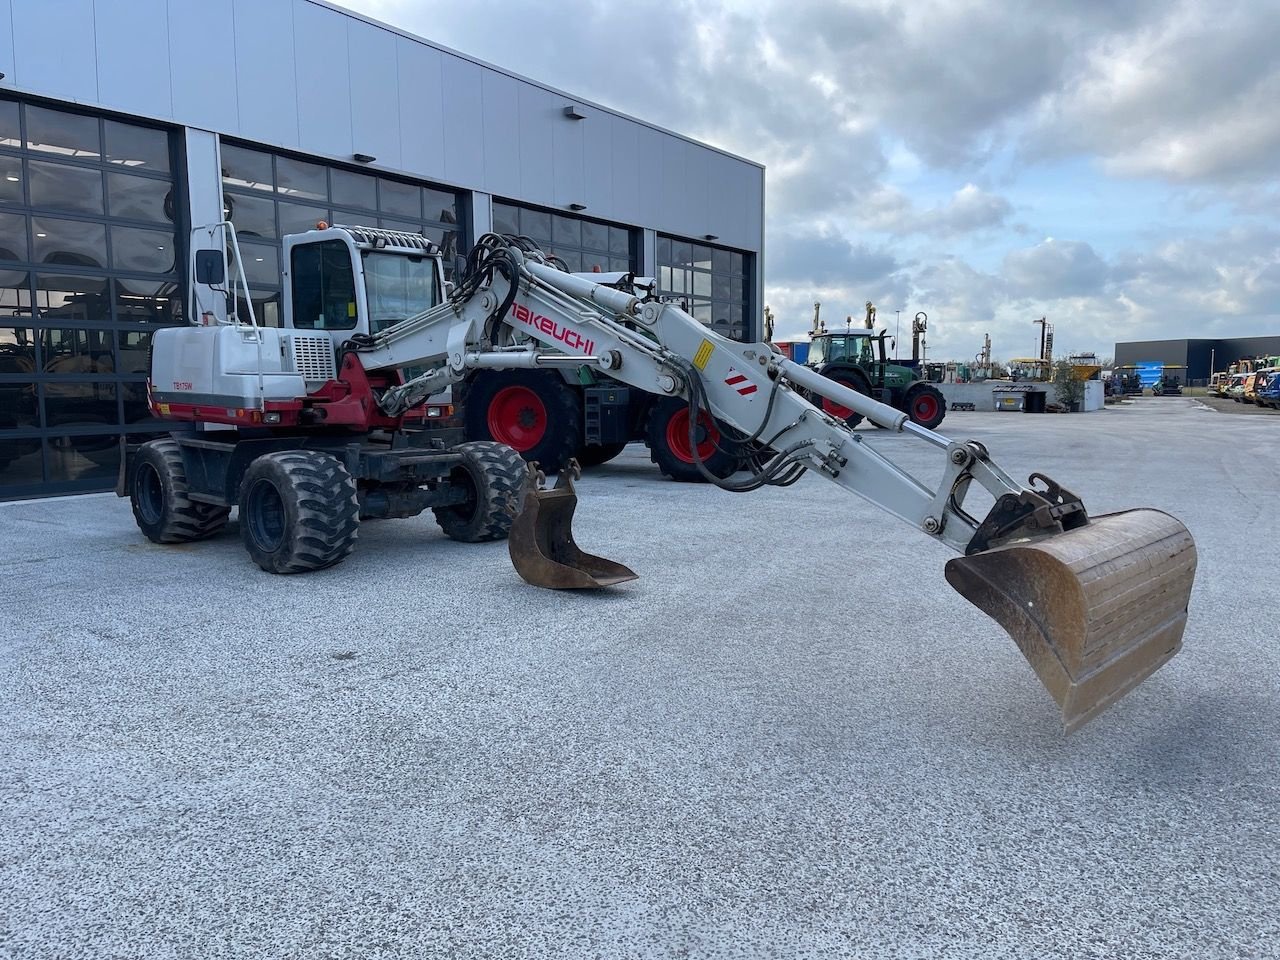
[[703, 355]]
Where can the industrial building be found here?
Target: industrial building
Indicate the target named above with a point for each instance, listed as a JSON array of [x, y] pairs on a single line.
[[1200, 357], [125, 122]]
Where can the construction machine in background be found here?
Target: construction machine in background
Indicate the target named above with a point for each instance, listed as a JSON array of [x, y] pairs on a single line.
[[306, 438]]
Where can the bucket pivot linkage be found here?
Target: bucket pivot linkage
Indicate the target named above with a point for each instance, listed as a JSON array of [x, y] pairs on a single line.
[[1095, 604], [541, 542]]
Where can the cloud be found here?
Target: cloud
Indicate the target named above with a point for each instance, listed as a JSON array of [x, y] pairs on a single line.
[[969, 209], [1056, 268]]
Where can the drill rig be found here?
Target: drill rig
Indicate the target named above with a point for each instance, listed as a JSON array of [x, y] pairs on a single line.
[[1095, 603]]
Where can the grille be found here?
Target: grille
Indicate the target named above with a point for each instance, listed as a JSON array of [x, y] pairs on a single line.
[[312, 356]]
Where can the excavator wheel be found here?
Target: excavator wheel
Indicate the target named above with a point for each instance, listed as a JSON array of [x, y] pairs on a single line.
[[852, 378], [926, 405], [667, 435], [534, 412], [298, 511], [494, 477], [158, 494]]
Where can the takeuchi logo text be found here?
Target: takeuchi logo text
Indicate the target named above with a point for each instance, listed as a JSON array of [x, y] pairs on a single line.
[[570, 338]]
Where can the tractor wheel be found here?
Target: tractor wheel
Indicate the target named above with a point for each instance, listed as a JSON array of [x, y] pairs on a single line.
[[594, 454], [163, 510], [494, 477], [534, 412], [926, 405], [667, 435], [854, 380], [298, 511]]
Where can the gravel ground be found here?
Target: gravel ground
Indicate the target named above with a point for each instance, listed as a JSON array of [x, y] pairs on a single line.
[[789, 738]]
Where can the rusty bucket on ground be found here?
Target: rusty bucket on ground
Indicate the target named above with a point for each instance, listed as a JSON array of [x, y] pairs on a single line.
[[541, 542], [1095, 610]]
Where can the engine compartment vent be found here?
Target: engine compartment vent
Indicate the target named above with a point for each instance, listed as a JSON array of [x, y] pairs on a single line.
[[311, 355]]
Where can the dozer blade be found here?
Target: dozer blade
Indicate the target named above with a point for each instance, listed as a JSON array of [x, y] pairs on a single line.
[[541, 542], [1095, 610]]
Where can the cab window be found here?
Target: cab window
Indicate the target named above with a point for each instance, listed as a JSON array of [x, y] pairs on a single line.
[[324, 286]]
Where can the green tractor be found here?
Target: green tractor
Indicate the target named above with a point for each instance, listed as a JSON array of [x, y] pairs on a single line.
[[856, 359]]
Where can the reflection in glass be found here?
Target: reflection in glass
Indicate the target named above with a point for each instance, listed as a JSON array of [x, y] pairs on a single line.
[[140, 198], [300, 180], [440, 205], [10, 131], [13, 236], [402, 225], [132, 348], [506, 219], [79, 299], [401, 199], [397, 287], [68, 134], [535, 224], [566, 230], [69, 242], [10, 180], [261, 263], [249, 169], [620, 242], [353, 189], [253, 216], [720, 260], [266, 308], [664, 250], [146, 301], [59, 186], [94, 457], [146, 251], [71, 351], [595, 236], [681, 253], [132, 146], [20, 462], [135, 402], [17, 352], [18, 409], [296, 218]]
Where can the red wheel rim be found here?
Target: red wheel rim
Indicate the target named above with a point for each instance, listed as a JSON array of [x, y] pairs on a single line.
[[926, 407], [839, 409], [518, 418], [678, 436]]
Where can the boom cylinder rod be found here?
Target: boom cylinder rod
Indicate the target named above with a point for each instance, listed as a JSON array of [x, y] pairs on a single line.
[[875, 411], [613, 300]]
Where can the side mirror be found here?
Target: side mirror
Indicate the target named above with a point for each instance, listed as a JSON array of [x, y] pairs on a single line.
[[211, 270]]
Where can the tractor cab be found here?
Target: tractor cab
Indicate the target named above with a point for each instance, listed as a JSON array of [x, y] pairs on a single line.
[[358, 280], [851, 347]]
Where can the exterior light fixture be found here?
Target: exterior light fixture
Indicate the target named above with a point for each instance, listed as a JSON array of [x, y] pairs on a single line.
[[363, 157], [574, 112], [710, 236], [577, 206]]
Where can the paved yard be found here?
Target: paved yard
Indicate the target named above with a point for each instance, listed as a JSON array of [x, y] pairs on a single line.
[[789, 738]]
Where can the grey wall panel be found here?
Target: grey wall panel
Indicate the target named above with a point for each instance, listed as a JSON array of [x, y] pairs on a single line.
[[53, 48], [205, 29], [672, 199], [649, 167], [463, 149], [132, 39], [597, 165], [624, 166], [266, 86], [537, 147], [566, 141], [421, 108], [323, 73], [501, 131], [697, 175], [6, 45], [375, 93]]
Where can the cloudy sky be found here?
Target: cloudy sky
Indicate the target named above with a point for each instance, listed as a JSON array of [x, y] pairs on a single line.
[[1110, 165]]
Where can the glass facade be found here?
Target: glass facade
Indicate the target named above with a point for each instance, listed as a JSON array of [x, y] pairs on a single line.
[[581, 243], [714, 284], [268, 195], [89, 251]]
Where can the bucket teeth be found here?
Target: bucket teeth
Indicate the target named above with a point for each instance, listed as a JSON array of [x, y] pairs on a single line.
[[541, 543], [1095, 610]]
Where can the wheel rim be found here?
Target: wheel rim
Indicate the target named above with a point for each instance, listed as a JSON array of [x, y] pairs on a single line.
[[266, 518], [925, 407], [518, 418], [839, 409], [678, 436], [148, 492]]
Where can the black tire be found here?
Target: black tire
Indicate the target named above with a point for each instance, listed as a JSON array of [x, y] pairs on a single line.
[[666, 434], [534, 412], [852, 377], [495, 477], [925, 405], [595, 454], [298, 511], [158, 494]]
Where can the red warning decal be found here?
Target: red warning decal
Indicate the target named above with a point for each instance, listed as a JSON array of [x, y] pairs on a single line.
[[740, 383]]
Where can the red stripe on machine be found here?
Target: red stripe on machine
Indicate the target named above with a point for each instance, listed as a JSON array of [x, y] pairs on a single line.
[[734, 379]]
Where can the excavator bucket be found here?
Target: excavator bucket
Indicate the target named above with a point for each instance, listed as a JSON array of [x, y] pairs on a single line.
[[541, 542], [1095, 610]]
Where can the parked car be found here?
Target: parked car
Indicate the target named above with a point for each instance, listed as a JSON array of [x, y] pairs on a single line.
[[1269, 394], [1235, 389]]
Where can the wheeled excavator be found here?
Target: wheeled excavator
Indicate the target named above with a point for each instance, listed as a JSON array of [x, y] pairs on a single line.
[[303, 430]]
